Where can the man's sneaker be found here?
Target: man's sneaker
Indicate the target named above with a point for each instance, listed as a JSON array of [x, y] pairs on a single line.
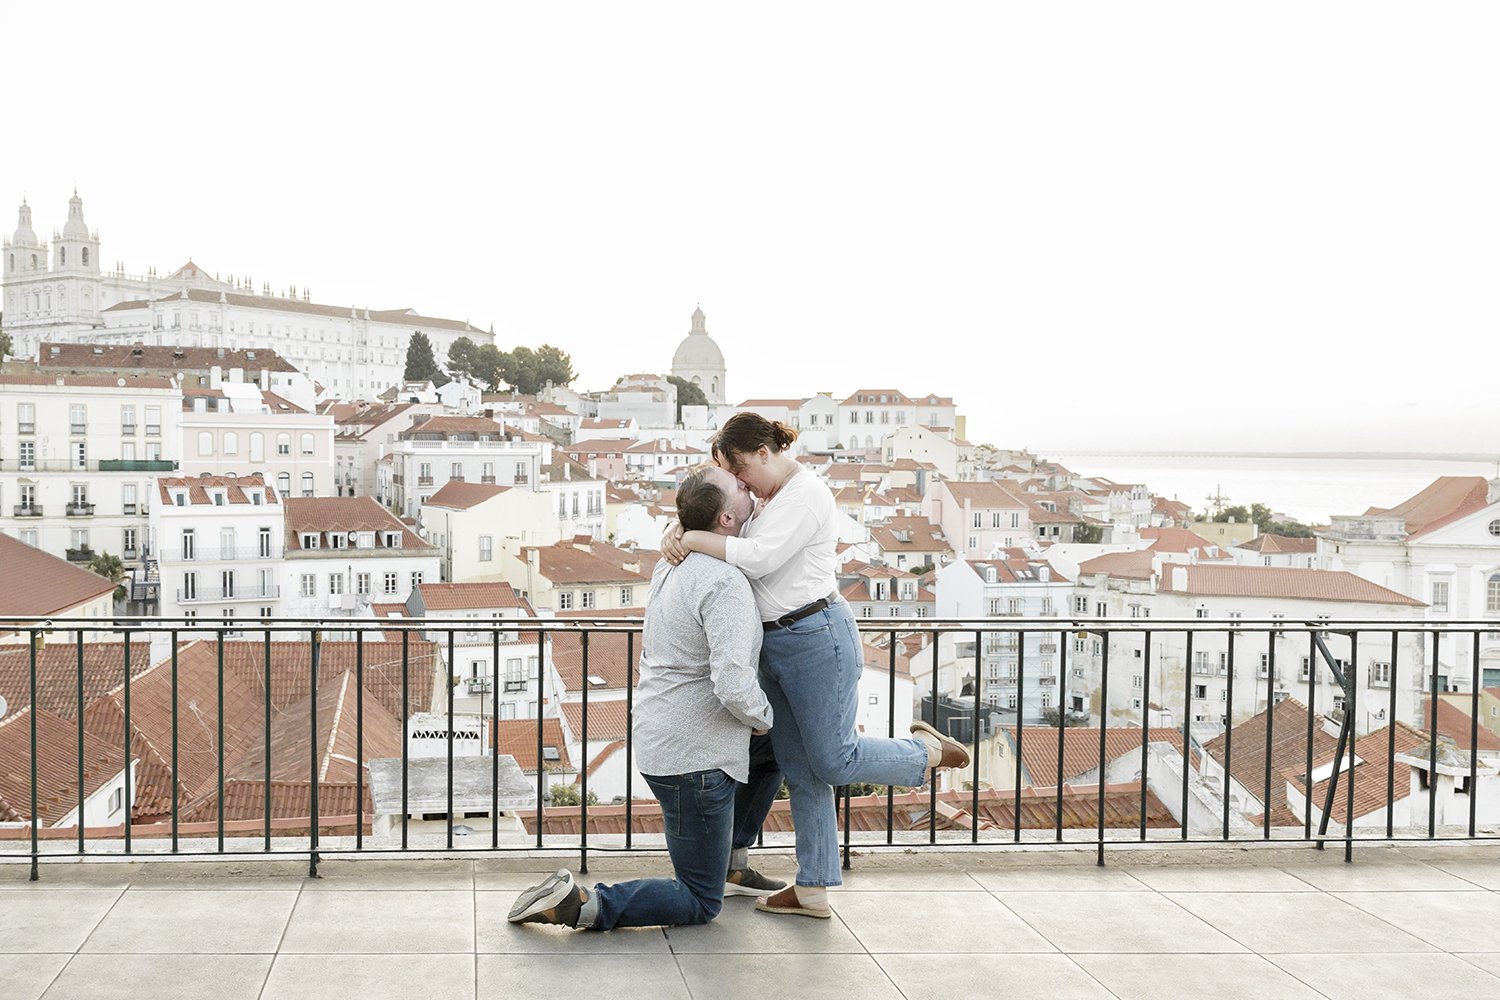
[[749, 882], [556, 901]]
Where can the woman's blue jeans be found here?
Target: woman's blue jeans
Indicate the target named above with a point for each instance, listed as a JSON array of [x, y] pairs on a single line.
[[810, 672]]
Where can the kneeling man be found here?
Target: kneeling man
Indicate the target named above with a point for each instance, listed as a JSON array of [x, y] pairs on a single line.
[[698, 702]]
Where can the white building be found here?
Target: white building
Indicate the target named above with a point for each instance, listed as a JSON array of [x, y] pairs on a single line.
[[1137, 585], [219, 545], [978, 519], [439, 449], [576, 496], [79, 455], [952, 456], [658, 459], [1018, 674], [343, 553], [365, 434], [867, 416], [237, 428], [698, 360], [62, 294], [478, 527], [1441, 548]]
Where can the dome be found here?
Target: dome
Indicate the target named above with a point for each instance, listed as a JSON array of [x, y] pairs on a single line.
[[698, 352], [25, 235]]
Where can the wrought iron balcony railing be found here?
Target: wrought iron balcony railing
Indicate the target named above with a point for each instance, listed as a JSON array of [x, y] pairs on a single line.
[[1134, 752]]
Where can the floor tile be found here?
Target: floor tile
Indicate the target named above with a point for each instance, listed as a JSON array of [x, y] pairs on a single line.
[[1115, 922], [1453, 921], [1220, 878], [371, 977], [1481, 873], [370, 874], [161, 977], [937, 880], [936, 922], [1036, 977], [1391, 977], [24, 977], [1190, 977], [1384, 875], [512, 882], [805, 977], [1489, 961], [1296, 923], [386, 922], [57, 920], [596, 977], [741, 929], [1055, 879], [194, 922]]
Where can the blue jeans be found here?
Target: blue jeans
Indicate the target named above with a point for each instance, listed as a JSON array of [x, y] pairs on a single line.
[[697, 811], [754, 799], [810, 672]]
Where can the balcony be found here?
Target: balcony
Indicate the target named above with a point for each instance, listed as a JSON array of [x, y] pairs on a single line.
[[27, 510], [219, 595], [137, 465], [487, 480], [80, 555], [79, 510], [424, 480], [203, 553]]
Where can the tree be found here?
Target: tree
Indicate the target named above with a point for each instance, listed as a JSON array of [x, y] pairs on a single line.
[[462, 358], [421, 366], [554, 365], [489, 366], [112, 569], [688, 394], [1291, 529], [1049, 718], [567, 795]]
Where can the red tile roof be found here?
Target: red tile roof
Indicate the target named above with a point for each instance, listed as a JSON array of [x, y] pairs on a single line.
[[125, 357], [37, 584], [1080, 749], [467, 596], [517, 737], [457, 494], [198, 486], [1284, 583], [1121, 565], [984, 495], [56, 766], [1447, 499], [1273, 544], [340, 514], [607, 719]]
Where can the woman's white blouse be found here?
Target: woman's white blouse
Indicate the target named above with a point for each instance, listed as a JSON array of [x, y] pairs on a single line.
[[787, 549]]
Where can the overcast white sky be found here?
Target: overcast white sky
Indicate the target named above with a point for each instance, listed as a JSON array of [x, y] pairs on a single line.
[[1110, 225]]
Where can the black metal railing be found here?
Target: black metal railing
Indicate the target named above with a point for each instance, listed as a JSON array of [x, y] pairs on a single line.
[[1235, 764]]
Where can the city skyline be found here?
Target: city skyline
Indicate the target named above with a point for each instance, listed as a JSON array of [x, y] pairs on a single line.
[[1089, 233]]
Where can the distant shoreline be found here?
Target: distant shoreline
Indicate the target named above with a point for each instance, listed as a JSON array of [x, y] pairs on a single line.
[[1405, 456]]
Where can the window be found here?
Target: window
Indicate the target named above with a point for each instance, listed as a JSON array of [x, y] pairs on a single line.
[[127, 498], [80, 455], [1440, 595], [1101, 610], [307, 484], [129, 541], [26, 418], [979, 520], [153, 421], [994, 520], [1494, 527], [127, 419], [486, 548], [586, 599], [1492, 595], [362, 584], [284, 484], [565, 600], [28, 456], [116, 797], [1200, 690], [231, 443], [994, 607], [335, 583], [257, 447], [78, 418], [264, 549], [189, 586], [283, 444], [309, 585], [226, 583], [1306, 670], [205, 443], [416, 579], [1080, 605], [627, 597], [307, 444], [189, 544], [1380, 674]]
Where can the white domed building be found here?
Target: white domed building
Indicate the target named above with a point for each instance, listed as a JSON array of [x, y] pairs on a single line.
[[698, 360]]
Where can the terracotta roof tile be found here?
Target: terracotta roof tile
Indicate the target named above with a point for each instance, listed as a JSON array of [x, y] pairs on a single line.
[[467, 596], [457, 494], [37, 584], [1284, 583]]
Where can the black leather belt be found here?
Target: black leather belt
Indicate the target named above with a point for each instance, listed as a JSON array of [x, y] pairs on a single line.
[[792, 617]]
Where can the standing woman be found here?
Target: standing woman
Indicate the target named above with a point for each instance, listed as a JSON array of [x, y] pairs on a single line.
[[811, 660]]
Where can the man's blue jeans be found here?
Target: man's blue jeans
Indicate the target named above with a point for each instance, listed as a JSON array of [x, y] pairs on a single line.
[[697, 812], [810, 672], [755, 798]]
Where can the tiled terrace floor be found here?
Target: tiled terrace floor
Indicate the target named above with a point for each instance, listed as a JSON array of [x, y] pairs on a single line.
[[1262, 924]]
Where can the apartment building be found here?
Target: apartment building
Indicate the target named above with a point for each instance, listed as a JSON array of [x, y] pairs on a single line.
[[219, 544]]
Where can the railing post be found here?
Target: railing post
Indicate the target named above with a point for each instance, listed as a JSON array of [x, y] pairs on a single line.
[[583, 797], [890, 790], [448, 678], [359, 740], [32, 647], [1103, 729], [81, 776], [312, 826]]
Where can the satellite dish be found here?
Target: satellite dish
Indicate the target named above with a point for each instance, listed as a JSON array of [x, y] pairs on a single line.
[[3, 706]]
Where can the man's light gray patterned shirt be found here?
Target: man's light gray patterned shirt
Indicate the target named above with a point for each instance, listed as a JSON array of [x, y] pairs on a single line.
[[699, 694]]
